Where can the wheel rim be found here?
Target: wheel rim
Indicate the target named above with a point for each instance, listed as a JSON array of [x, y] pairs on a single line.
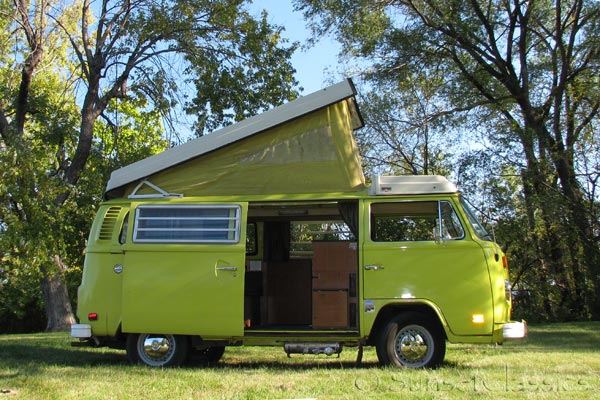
[[414, 346], [156, 350]]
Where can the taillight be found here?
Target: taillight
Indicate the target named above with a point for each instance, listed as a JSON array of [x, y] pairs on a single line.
[[504, 261], [93, 316]]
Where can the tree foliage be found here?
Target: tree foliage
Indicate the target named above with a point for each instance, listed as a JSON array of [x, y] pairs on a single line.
[[524, 76], [400, 137], [89, 86]]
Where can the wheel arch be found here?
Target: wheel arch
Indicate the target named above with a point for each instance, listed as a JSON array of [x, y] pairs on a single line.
[[427, 310]]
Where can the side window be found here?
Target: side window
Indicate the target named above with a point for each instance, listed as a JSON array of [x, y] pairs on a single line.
[[451, 226], [304, 233], [251, 239], [123, 234], [414, 221], [403, 221], [187, 224]]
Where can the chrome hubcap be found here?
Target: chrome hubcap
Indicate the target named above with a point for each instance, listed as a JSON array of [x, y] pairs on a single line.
[[413, 345], [156, 350]]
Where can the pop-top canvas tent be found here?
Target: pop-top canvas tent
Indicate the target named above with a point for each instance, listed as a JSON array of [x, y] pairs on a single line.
[[304, 146]]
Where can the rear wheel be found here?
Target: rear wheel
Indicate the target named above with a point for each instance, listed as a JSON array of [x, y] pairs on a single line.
[[157, 350], [411, 341]]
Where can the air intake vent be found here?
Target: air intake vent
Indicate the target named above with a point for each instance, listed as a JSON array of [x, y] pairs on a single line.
[[108, 225]]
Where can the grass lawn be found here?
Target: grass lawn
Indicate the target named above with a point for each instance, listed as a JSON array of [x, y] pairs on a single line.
[[556, 361]]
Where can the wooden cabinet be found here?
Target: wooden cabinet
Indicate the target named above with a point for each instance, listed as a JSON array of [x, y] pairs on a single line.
[[330, 309], [302, 293], [288, 292], [335, 265]]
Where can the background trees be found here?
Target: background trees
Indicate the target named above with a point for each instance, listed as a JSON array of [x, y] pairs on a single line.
[[524, 76], [85, 88], [501, 95]]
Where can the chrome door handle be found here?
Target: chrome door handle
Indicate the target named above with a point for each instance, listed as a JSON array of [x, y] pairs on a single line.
[[226, 268], [374, 267]]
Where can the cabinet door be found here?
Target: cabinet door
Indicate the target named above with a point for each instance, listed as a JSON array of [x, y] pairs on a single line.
[[333, 262], [330, 309], [288, 292]]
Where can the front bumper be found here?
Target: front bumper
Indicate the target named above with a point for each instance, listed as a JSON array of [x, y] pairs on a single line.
[[514, 330]]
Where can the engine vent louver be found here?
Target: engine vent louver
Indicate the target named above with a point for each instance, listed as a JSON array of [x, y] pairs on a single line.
[[108, 225]]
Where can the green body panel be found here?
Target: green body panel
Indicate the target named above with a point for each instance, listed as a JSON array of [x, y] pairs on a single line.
[[100, 289], [452, 275], [100, 292], [169, 291], [498, 278], [179, 288]]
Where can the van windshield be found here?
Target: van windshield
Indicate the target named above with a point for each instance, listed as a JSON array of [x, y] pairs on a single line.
[[477, 226]]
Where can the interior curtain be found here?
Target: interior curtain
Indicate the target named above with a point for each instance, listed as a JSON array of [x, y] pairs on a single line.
[[349, 212], [277, 241]]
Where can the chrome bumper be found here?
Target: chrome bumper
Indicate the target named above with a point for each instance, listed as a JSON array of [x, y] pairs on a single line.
[[81, 331], [514, 330]]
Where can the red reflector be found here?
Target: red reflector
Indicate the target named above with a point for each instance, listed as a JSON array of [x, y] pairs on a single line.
[[93, 316], [504, 261]]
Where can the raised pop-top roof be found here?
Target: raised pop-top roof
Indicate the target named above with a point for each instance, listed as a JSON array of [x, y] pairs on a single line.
[[304, 146]]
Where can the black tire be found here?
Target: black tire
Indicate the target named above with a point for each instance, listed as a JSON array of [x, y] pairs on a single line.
[[157, 350], [208, 356], [411, 341]]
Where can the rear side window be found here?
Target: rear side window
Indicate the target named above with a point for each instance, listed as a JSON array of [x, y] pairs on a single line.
[[187, 224]]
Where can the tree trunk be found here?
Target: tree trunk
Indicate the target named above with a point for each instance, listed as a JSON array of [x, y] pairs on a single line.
[[56, 298], [584, 232]]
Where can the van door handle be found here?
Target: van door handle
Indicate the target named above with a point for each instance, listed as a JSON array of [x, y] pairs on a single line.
[[374, 267], [226, 268]]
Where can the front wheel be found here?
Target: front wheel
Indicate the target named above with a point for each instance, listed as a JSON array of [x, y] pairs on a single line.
[[157, 350], [411, 341]]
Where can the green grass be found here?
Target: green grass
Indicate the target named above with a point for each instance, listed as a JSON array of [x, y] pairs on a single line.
[[556, 361]]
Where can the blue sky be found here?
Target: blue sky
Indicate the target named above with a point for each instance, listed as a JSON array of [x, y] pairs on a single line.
[[314, 66]]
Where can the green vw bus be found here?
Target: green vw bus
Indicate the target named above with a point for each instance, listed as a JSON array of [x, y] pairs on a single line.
[[265, 233]]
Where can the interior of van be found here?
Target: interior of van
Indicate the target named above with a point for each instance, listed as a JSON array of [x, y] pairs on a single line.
[[301, 266]]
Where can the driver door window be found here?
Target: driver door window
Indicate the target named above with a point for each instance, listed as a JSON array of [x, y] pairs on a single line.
[[415, 221]]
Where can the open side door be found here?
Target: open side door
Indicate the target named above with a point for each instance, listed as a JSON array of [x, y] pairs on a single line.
[[184, 271]]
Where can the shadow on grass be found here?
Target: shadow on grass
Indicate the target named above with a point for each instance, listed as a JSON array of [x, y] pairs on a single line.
[[33, 352], [30, 358], [303, 365], [32, 355]]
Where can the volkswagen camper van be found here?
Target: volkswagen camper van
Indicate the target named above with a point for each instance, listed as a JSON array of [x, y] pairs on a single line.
[[266, 234]]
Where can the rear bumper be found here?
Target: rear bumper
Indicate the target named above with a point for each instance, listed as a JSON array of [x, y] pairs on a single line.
[[81, 331], [514, 330]]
